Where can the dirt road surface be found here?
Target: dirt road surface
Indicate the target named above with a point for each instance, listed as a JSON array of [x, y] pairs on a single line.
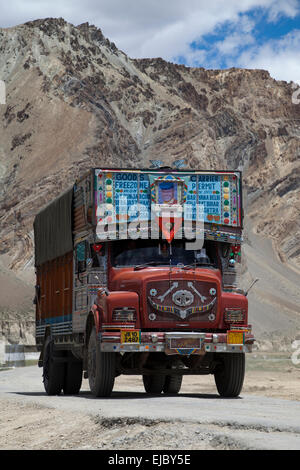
[[265, 416]]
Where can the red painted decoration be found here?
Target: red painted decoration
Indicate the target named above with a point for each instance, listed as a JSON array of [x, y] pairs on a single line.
[[169, 232], [97, 247]]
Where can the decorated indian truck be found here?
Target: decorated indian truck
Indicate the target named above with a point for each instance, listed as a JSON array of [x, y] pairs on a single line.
[[136, 274]]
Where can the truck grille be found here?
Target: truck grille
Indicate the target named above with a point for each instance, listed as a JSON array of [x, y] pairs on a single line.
[[182, 300]]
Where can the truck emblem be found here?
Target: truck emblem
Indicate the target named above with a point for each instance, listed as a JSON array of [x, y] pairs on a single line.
[[183, 298], [153, 292]]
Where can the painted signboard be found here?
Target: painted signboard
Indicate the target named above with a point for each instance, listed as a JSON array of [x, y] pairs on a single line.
[[130, 203], [123, 196]]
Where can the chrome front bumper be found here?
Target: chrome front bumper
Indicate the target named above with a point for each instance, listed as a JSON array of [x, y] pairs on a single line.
[[161, 342]]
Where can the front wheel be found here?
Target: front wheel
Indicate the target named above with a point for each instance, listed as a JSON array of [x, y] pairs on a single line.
[[101, 368], [154, 384], [172, 384], [230, 373]]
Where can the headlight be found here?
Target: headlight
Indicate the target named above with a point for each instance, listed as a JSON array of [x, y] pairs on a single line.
[[234, 315], [124, 314]]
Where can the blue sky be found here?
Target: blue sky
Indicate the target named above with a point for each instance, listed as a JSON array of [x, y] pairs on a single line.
[[215, 34], [251, 40]]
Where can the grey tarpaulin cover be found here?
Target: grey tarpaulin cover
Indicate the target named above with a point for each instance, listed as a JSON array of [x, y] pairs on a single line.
[[53, 229]]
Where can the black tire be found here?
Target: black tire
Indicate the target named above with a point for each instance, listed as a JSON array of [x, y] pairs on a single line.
[[73, 376], [172, 384], [154, 384], [53, 372], [101, 368], [229, 376]]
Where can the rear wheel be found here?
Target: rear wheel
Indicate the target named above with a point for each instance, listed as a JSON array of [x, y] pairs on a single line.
[[172, 384], [53, 370], [73, 376], [101, 368], [154, 384], [229, 376]]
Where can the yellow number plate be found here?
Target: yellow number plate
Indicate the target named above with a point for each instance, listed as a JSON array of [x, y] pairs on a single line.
[[130, 336], [235, 337]]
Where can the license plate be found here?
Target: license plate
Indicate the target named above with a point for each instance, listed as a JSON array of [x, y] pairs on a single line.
[[185, 343], [130, 336], [235, 337]]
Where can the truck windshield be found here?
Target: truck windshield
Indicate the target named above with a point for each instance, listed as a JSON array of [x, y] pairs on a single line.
[[152, 252]]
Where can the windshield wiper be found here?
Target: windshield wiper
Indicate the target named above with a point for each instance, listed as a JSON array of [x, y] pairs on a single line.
[[197, 263], [145, 265]]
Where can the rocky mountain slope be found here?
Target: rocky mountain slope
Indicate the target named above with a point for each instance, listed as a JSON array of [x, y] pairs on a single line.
[[74, 101]]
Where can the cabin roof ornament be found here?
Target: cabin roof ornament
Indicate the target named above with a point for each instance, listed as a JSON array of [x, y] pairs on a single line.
[[156, 163], [160, 164], [179, 163]]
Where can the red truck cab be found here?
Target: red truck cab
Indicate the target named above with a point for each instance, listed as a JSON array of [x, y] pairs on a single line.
[[160, 299]]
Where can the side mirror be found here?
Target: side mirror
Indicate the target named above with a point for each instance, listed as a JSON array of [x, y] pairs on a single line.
[[247, 291], [37, 294], [81, 266], [81, 257]]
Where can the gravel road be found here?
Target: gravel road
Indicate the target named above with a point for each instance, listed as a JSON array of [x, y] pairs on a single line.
[[130, 419]]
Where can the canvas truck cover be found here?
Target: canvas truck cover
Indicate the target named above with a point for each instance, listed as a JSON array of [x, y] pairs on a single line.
[[53, 229]]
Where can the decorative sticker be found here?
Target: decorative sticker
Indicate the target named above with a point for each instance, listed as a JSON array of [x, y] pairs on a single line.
[[226, 200]]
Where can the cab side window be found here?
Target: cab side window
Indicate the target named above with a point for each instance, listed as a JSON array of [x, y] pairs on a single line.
[[81, 257]]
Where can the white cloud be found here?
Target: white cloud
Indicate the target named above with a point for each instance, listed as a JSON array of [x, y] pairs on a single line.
[[180, 23], [280, 57], [288, 8], [232, 43]]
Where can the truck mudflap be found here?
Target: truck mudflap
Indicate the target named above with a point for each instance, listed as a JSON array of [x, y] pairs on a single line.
[[180, 342]]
